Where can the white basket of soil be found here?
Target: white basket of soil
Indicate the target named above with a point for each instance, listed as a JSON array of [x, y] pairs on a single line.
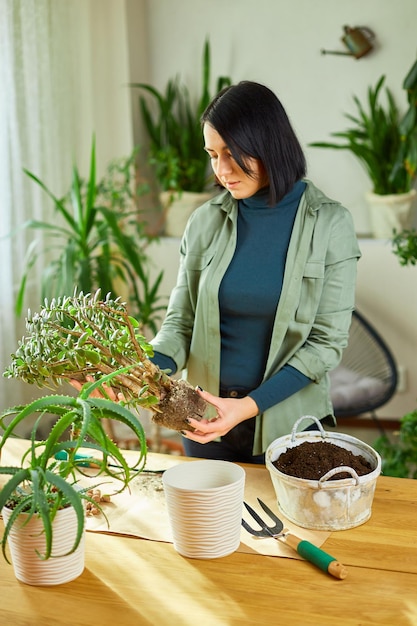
[[342, 497]]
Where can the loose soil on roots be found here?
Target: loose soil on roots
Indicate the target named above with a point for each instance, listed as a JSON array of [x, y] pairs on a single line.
[[181, 401], [312, 460]]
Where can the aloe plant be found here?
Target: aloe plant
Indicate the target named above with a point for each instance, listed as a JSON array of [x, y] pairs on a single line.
[[42, 484], [96, 240], [174, 130], [384, 141]]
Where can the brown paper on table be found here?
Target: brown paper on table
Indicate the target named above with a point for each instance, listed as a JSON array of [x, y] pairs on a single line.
[[140, 511], [143, 513]]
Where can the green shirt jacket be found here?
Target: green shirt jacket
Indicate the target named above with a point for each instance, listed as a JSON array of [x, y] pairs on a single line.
[[313, 315]]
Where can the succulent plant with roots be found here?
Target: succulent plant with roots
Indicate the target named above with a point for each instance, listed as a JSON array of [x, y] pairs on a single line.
[[84, 338]]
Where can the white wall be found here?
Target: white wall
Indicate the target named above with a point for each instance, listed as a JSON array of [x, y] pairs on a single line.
[[386, 293], [278, 43]]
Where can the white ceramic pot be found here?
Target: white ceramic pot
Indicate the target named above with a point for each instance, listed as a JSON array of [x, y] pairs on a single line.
[[178, 208], [25, 539], [389, 212]]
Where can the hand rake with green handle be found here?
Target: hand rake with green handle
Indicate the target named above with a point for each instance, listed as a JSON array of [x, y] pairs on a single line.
[[307, 550]]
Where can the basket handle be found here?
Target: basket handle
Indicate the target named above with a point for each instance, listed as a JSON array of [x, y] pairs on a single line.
[[301, 419], [339, 470]]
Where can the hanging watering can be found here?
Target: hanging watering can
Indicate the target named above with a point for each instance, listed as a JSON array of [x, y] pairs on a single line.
[[358, 40]]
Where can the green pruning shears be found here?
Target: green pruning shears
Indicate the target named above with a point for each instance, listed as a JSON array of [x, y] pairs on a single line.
[[86, 460]]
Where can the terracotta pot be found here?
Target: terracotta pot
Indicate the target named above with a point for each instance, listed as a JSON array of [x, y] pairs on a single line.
[[25, 539]]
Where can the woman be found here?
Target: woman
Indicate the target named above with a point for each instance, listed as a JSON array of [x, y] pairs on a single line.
[[262, 306]]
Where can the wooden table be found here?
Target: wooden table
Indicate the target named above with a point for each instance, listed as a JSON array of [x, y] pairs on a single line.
[[129, 581]]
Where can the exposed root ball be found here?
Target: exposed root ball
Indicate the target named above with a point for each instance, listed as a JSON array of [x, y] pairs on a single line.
[[181, 402]]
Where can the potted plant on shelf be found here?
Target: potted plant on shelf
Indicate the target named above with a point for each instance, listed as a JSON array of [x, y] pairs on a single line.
[[385, 142], [97, 241], [41, 503], [176, 149], [82, 337]]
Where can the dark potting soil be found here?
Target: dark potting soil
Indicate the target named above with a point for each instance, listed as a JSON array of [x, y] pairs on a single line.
[[311, 460]]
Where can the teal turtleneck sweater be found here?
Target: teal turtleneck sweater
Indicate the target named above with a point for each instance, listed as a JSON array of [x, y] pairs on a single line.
[[248, 299], [249, 296]]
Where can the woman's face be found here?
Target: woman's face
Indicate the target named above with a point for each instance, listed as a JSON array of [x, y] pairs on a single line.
[[228, 172]]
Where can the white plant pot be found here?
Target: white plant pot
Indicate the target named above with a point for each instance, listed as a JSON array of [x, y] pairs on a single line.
[[389, 212], [178, 208], [25, 540]]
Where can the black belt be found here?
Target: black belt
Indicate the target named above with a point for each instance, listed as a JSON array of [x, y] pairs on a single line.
[[233, 392]]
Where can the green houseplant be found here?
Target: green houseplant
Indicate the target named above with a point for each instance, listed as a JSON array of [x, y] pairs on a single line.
[[97, 241], [83, 337], [43, 487], [405, 246], [399, 456], [385, 143], [172, 122]]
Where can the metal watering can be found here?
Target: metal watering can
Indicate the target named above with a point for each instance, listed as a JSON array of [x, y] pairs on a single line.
[[358, 40]]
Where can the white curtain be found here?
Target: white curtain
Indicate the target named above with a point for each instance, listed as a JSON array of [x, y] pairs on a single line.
[[63, 74]]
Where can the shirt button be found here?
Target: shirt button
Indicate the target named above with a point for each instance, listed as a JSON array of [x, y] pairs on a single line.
[[233, 394]]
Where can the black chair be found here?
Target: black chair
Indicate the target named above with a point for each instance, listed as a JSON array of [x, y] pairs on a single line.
[[366, 378]]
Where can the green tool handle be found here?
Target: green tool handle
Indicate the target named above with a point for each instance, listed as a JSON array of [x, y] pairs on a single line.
[[315, 555], [62, 455]]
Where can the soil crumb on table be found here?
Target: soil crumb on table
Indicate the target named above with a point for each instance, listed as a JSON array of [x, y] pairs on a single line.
[[312, 460]]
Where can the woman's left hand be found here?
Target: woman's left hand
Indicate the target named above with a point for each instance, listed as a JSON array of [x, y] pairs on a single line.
[[230, 412]]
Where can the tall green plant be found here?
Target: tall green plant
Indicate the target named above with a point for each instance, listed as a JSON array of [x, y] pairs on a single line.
[[174, 130], [384, 141], [96, 241]]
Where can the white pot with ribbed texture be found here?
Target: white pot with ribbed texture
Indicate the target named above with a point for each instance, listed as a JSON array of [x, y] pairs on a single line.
[[204, 502], [26, 539], [391, 212]]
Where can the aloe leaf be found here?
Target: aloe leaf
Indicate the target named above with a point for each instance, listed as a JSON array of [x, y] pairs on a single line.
[[19, 475], [119, 413], [42, 404], [73, 498]]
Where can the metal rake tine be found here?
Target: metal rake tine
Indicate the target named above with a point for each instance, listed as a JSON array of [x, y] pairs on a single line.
[[271, 530], [252, 531], [277, 520]]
